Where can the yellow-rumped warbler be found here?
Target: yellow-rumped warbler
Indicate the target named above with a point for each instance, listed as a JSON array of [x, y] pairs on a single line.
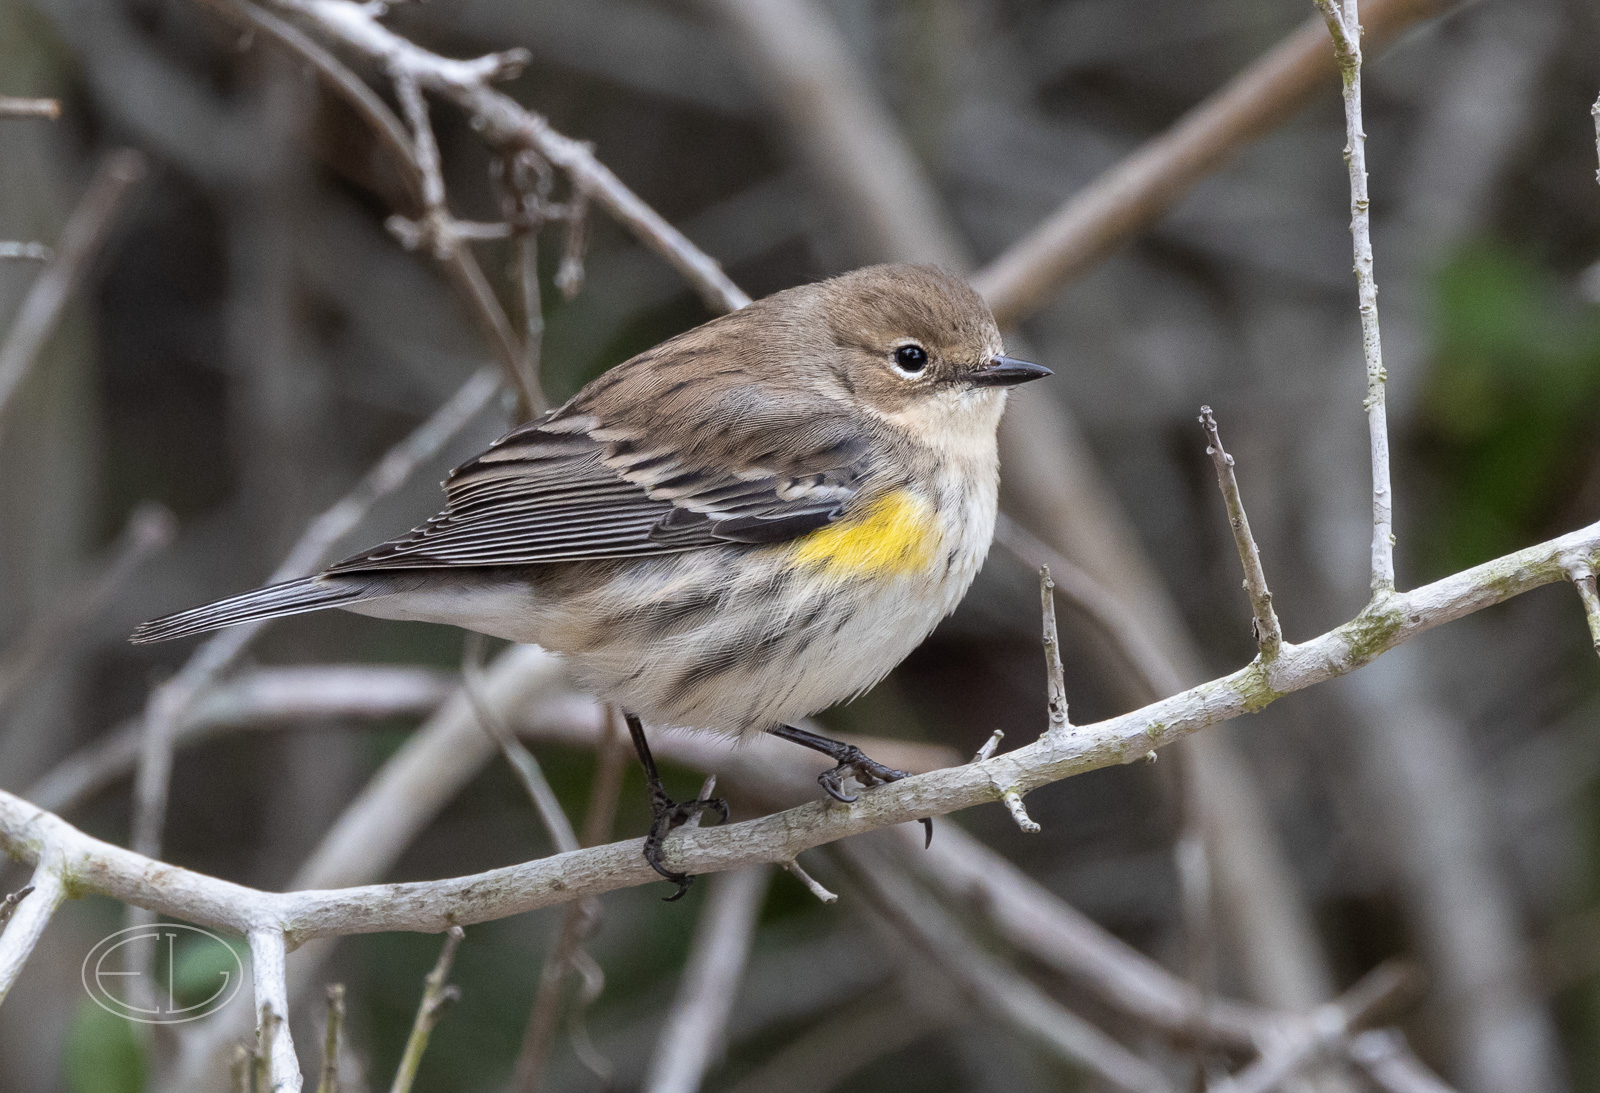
[[748, 523]]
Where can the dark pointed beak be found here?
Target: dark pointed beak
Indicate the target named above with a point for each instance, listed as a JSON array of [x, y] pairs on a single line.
[[1008, 372]]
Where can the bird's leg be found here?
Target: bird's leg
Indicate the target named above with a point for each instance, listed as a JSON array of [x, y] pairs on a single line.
[[851, 760], [665, 813]]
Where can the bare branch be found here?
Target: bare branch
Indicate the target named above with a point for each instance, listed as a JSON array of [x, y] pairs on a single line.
[[436, 995], [329, 1082], [96, 866], [1136, 192], [506, 125], [692, 1035], [457, 259], [81, 240], [274, 1046], [28, 913], [49, 109], [1344, 24], [1268, 634]]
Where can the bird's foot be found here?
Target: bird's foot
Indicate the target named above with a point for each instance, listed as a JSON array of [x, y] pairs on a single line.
[[666, 815]]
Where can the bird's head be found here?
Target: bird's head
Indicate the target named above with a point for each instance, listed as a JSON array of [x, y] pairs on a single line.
[[916, 346]]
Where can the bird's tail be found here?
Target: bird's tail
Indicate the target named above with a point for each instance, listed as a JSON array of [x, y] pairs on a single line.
[[271, 602]]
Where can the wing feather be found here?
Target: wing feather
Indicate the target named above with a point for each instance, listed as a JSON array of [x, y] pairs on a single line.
[[550, 492]]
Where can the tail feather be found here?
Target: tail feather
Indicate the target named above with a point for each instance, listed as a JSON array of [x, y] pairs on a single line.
[[271, 602]]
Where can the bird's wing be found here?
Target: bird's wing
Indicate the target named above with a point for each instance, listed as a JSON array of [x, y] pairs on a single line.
[[571, 488]]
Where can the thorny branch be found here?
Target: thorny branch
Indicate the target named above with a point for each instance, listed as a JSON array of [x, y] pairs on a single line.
[[1268, 634]]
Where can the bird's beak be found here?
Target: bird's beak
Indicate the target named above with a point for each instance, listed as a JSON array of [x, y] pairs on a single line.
[[1008, 372]]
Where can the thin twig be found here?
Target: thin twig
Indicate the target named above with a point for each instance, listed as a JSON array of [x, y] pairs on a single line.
[[814, 886], [49, 109], [1581, 574], [1055, 675], [987, 749], [436, 995], [1268, 634], [149, 528], [1128, 632], [329, 1082], [693, 1033], [81, 241], [1344, 24]]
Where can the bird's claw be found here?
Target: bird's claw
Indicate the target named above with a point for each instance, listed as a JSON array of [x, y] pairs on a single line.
[[668, 814]]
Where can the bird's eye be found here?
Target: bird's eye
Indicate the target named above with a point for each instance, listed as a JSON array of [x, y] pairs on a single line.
[[911, 358]]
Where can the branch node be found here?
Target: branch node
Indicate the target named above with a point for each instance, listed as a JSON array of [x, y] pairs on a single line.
[[1581, 574], [988, 749], [1013, 802], [812, 884]]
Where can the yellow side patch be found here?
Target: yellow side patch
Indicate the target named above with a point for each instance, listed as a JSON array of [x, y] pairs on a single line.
[[895, 535]]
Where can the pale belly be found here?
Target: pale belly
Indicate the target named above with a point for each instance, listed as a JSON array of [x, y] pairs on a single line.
[[732, 639]]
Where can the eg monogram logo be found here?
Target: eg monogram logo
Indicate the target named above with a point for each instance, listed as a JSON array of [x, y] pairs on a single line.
[[108, 980]]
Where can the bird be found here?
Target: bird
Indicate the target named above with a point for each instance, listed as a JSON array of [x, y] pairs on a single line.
[[751, 522]]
